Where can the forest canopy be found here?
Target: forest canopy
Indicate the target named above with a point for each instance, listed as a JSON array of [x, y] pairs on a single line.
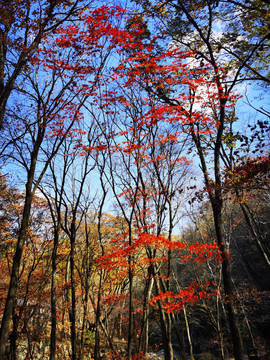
[[134, 179]]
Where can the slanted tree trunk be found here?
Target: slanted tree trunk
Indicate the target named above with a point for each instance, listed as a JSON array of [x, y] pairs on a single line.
[[166, 326], [188, 334], [143, 340], [13, 285], [14, 335]]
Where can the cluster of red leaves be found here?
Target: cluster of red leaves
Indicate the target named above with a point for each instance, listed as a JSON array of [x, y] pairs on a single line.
[[174, 302], [117, 255]]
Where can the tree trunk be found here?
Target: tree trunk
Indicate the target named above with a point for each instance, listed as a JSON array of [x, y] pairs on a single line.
[[143, 341], [7, 315], [130, 309], [14, 335], [98, 313], [188, 335], [86, 296], [53, 294], [166, 327], [219, 331], [227, 281], [73, 292]]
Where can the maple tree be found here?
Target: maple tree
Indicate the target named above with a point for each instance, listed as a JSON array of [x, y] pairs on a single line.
[[132, 203], [146, 200], [136, 73]]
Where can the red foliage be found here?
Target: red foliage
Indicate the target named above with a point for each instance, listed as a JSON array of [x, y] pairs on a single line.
[[173, 302]]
